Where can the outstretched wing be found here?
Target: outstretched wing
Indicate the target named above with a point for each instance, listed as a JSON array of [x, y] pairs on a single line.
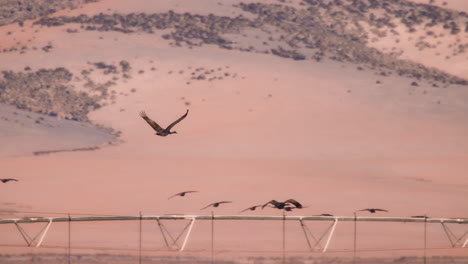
[[177, 121], [7, 180], [381, 210], [207, 206], [294, 202], [153, 124], [270, 202], [177, 194], [181, 194], [216, 204], [250, 208]]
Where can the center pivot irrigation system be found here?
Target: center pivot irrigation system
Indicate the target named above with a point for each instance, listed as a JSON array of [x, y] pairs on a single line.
[[171, 241]]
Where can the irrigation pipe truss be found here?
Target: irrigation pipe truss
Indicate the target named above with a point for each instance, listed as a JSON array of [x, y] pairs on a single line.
[[456, 241], [421, 219]]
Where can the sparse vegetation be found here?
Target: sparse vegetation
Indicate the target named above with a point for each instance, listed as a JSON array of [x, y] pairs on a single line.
[[323, 28], [46, 91], [18, 11]]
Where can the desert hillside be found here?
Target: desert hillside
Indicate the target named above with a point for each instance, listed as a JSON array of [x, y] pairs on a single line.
[[342, 105]]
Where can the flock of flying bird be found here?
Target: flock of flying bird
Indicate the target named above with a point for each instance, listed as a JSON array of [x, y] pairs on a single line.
[[287, 205]]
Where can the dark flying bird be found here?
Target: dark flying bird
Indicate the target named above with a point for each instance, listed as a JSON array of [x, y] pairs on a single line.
[[419, 216], [276, 204], [282, 205], [294, 202], [216, 204], [252, 208], [159, 130], [324, 215], [372, 210], [7, 180], [181, 194]]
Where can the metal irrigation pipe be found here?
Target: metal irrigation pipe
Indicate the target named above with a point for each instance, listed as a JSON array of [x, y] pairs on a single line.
[[234, 217]]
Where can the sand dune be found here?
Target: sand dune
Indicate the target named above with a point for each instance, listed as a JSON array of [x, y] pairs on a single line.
[[335, 137]]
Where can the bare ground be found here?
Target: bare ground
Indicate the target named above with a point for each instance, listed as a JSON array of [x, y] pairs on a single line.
[[113, 259]]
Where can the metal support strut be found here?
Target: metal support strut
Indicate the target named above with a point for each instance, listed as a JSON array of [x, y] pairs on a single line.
[[307, 233], [41, 235], [454, 241], [166, 234]]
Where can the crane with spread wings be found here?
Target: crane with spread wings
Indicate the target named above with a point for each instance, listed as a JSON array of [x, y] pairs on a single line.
[[181, 194], [159, 130]]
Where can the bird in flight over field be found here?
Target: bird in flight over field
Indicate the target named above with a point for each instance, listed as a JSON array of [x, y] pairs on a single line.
[[159, 130], [251, 208], [294, 202], [181, 194], [324, 214], [276, 204], [372, 210], [7, 180], [284, 205], [420, 216], [216, 204]]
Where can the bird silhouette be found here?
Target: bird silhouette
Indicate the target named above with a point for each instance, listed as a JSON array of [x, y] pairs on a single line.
[[7, 180], [372, 210], [181, 194], [252, 208], [419, 216], [294, 202], [159, 130], [282, 205], [276, 204], [216, 204], [324, 215]]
